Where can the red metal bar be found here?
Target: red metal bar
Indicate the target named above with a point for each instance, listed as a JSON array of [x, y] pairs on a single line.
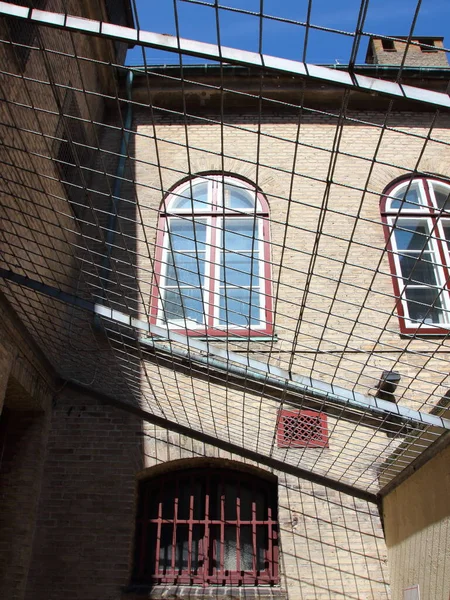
[[144, 530], [158, 530], [210, 549], [270, 550], [221, 545], [254, 540], [238, 529], [190, 524], [206, 539], [174, 530]]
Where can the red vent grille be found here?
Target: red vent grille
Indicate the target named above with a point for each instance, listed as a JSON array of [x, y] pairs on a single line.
[[302, 429]]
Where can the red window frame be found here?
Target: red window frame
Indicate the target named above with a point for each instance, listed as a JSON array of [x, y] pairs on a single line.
[[315, 425], [159, 502], [430, 213], [210, 292]]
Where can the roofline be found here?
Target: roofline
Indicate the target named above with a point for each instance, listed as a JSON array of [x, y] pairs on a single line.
[[406, 37], [211, 67]]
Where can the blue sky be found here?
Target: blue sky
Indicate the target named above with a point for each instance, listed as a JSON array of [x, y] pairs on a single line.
[[286, 40]]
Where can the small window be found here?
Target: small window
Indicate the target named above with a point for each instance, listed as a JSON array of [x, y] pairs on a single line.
[[206, 527], [388, 45], [427, 45], [212, 268], [416, 215], [302, 429]]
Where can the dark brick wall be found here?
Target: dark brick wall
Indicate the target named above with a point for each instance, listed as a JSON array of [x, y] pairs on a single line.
[[23, 451], [85, 528]]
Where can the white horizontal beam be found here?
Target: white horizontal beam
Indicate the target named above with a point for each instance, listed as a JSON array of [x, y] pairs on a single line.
[[226, 54]]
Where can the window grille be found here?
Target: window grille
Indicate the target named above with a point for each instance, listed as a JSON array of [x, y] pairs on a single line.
[[207, 527], [302, 429]]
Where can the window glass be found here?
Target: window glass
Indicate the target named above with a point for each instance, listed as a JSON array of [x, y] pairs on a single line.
[[240, 234], [185, 304], [238, 198], [237, 269], [166, 547], [408, 197], [211, 269], [418, 270], [446, 228], [187, 235], [442, 195], [195, 197], [238, 308], [421, 251], [185, 269], [412, 234], [246, 548], [424, 305]]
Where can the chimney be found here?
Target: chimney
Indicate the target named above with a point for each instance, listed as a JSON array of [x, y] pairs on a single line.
[[422, 52]]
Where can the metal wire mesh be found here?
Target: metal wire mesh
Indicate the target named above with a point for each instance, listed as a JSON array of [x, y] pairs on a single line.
[[82, 233]]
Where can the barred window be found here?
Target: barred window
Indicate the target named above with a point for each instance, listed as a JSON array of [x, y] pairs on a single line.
[[206, 527]]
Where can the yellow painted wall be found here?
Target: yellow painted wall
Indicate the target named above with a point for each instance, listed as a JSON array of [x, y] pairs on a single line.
[[417, 529]]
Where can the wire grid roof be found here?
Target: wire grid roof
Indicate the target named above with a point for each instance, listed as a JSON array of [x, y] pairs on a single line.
[[79, 241]]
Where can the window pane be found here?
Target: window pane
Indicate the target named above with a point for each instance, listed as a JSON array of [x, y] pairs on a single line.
[[230, 502], [235, 308], [150, 560], [193, 198], [229, 548], [246, 548], [446, 228], [185, 236], [409, 197], [441, 193], [168, 501], [262, 547], [214, 498], [184, 497], [248, 496], [188, 269], [187, 305], [153, 504], [238, 268], [238, 198], [239, 234], [418, 271], [198, 534], [199, 492], [411, 235], [165, 549], [181, 553], [420, 305]]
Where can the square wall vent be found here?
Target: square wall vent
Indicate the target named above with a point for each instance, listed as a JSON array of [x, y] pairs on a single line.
[[302, 429]]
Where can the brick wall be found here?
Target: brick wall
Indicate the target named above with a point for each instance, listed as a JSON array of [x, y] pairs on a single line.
[[416, 54], [85, 529], [331, 545]]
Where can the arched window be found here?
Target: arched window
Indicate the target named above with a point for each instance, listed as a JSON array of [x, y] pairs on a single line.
[[416, 214], [205, 526], [212, 264]]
